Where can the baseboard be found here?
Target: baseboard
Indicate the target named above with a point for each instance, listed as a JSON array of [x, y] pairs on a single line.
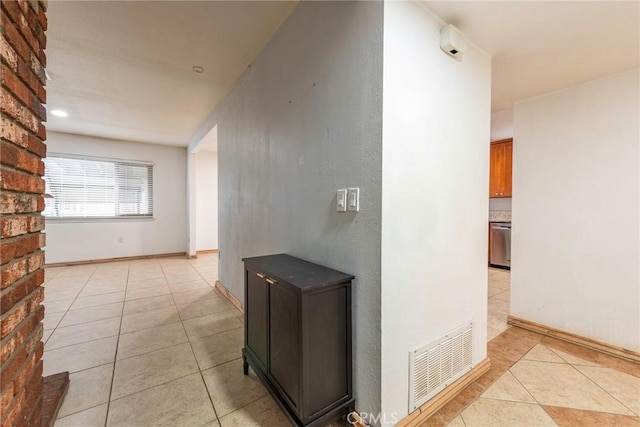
[[354, 419], [429, 408], [600, 346], [231, 297], [207, 251], [126, 258]]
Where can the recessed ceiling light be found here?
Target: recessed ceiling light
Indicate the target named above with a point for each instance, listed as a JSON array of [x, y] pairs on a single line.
[[59, 113], [197, 69]]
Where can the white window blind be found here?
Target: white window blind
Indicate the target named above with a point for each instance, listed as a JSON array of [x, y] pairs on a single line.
[[90, 187]]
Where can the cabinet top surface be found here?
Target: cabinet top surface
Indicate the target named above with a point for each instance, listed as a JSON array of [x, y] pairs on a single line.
[[300, 273]]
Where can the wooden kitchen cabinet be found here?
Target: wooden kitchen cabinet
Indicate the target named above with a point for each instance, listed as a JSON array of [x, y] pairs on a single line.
[[298, 336], [500, 168]]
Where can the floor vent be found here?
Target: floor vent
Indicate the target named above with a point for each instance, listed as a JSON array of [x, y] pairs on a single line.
[[438, 364]]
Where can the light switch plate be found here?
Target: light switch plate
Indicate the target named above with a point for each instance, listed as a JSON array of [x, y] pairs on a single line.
[[341, 204], [353, 199]]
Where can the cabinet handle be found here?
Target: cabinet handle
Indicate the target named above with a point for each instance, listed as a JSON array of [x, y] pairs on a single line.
[[270, 281], [260, 275]]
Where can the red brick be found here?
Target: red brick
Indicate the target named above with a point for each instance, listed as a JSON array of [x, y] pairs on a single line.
[[28, 308], [11, 413], [11, 368], [40, 203], [13, 108], [10, 296], [13, 36], [25, 20], [42, 17], [6, 397], [14, 226], [19, 203], [8, 154], [22, 97], [20, 181], [28, 162], [12, 82], [8, 252], [42, 132], [36, 146], [20, 246], [8, 347], [8, 54], [36, 261], [36, 223], [29, 76], [12, 272], [14, 133], [31, 334]]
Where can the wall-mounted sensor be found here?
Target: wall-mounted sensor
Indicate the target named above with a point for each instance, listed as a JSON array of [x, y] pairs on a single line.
[[452, 42]]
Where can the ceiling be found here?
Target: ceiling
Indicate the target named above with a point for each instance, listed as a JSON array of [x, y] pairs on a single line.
[[542, 46], [123, 69]]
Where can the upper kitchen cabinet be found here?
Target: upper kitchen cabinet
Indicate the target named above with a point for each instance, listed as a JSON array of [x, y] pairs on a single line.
[[500, 168]]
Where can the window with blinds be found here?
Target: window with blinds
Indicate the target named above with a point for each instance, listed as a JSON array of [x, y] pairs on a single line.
[[90, 187]]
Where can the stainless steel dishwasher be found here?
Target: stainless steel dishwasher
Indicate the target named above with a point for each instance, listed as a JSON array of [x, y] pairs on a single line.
[[500, 244]]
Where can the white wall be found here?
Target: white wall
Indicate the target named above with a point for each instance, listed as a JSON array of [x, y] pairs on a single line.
[[167, 233], [502, 124], [206, 200], [435, 172], [501, 128], [304, 121], [575, 242]]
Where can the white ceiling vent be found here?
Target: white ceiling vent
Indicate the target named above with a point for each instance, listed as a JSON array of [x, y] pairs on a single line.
[[438, 364]]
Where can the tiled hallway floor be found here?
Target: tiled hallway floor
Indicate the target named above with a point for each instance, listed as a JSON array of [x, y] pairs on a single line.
[[537, 381], [498, 305], [150, 342]]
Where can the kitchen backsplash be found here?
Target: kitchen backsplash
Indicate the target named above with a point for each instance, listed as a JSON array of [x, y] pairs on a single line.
[[500, 204]]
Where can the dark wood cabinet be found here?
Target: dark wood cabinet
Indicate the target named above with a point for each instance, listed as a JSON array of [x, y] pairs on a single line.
[[500, 168], [298, 336]]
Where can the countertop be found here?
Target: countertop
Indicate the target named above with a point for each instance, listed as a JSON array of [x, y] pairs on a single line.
[[503, 216]]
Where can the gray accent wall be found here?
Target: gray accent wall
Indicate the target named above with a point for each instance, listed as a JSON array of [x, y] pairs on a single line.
[[304, 121]]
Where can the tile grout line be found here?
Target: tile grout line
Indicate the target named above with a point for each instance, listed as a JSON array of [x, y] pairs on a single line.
[[115, 355], [68, 308], [603, 389], [215, 413]]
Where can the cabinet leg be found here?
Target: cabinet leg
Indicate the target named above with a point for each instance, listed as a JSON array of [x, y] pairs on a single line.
[[245, 366]]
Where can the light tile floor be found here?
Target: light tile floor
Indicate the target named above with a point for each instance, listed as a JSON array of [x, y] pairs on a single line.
[[498, 305], [540, 381], [150, 342]]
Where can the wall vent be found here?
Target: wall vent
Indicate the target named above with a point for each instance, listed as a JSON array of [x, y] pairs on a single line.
[[438, 364]]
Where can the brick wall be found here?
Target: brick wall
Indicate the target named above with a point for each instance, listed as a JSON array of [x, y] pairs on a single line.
[[22, 137]]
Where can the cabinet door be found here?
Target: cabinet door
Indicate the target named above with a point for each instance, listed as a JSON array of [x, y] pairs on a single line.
[[495, 170], [284, 328], [500, 168], [257, 320], [508, 166]]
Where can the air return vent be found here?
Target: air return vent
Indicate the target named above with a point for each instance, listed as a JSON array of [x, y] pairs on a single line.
[[438, 364]]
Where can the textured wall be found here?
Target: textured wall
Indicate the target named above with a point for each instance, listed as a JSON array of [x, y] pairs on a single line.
[[83, 240], [435, 203], [576, 210], [305, 120], [23, 134]]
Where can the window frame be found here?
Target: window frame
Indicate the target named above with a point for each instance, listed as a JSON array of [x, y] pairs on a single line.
[[115, 218]]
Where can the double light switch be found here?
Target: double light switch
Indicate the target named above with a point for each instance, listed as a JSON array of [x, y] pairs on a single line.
[[348, 200]]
